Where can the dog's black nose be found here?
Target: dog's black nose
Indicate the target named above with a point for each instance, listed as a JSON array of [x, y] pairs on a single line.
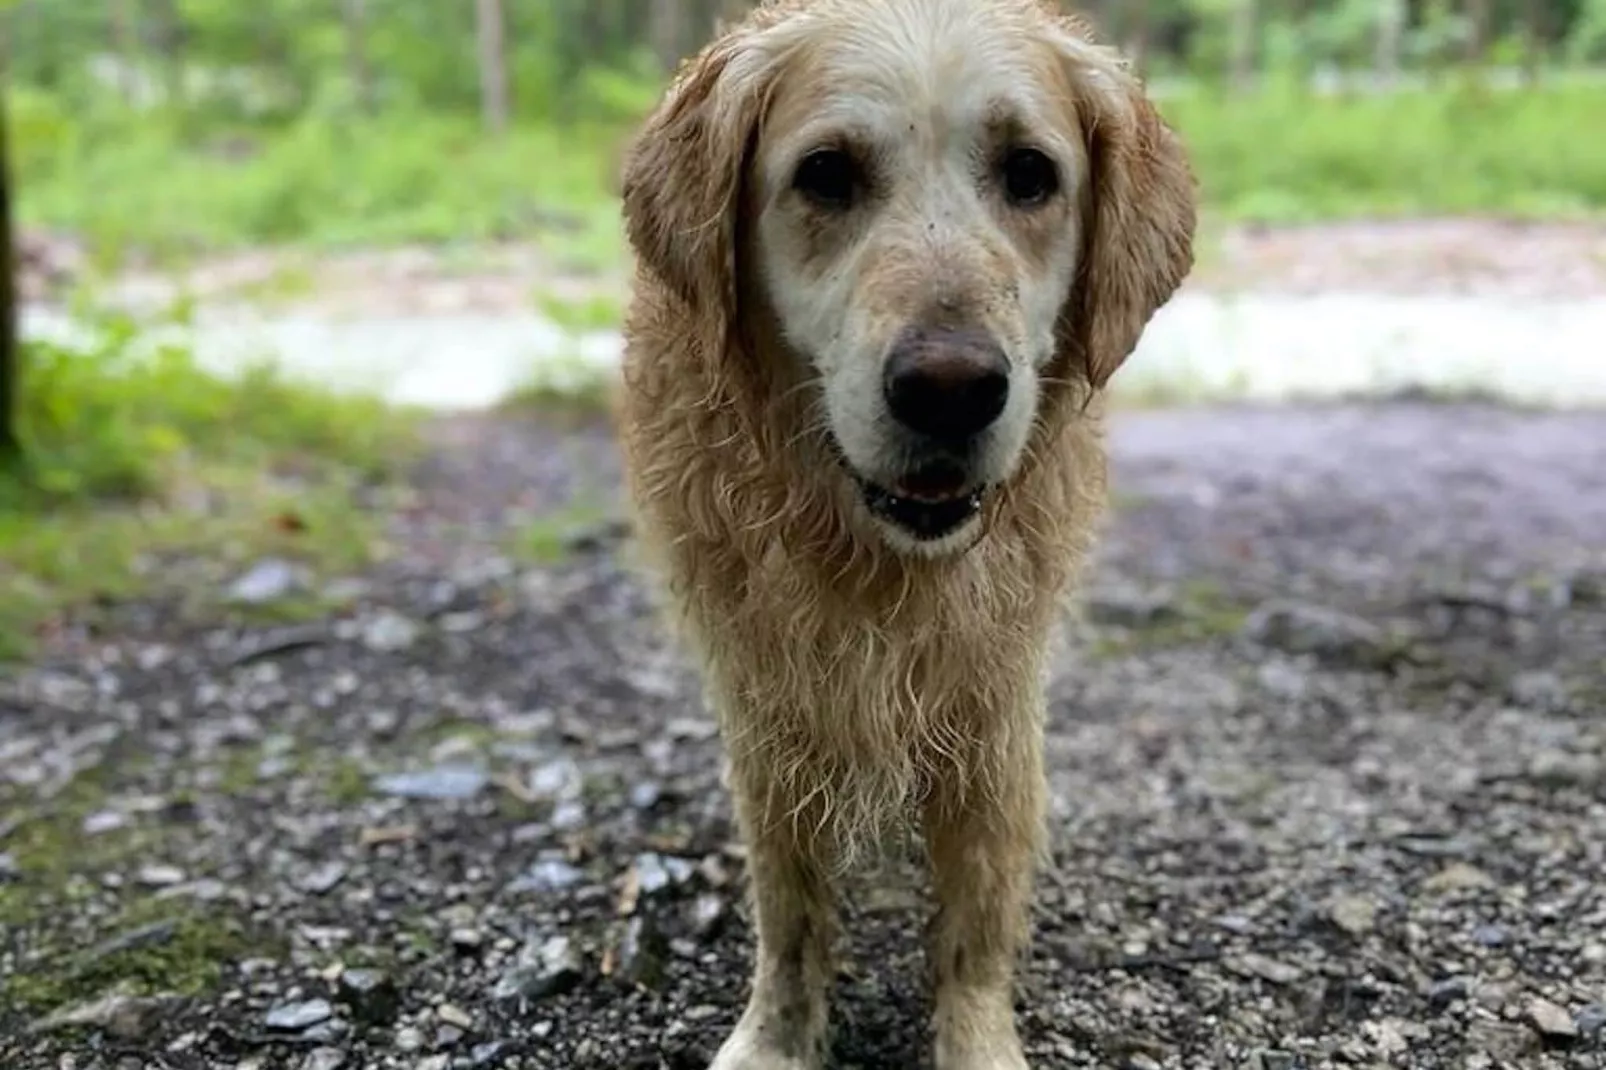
[[945, 382]]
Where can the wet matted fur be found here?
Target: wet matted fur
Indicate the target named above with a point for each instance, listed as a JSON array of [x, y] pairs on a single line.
[[981, 169]]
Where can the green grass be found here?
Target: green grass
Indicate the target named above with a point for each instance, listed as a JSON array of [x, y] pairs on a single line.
[[138, 466], [1283, 155], [1280, 154]]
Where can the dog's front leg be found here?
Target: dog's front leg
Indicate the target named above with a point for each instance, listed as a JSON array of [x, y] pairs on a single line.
[[784, 1025], [983, 848]]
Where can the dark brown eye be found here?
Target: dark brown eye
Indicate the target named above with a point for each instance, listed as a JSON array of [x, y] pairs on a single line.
[[829, 177], [1030, 178]]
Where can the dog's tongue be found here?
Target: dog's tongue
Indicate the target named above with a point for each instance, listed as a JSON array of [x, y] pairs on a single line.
[[935, 482]]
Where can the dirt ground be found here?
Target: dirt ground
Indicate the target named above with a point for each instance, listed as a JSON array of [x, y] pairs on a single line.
[[1326, 747]]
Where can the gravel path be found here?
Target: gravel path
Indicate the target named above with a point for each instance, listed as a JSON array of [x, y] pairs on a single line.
[[1326, 748]]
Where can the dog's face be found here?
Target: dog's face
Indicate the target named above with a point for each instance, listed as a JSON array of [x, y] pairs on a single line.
[[925, 191]]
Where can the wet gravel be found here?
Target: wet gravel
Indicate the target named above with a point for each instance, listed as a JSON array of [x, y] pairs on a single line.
[[1326, 746]]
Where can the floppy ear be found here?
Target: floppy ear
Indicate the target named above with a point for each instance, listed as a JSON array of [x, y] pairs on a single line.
[[1141, 214], [682, 181]]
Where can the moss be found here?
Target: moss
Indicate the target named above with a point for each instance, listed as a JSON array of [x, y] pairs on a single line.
[[1201, 612], [549, 538], [155, 947], [346, 783]]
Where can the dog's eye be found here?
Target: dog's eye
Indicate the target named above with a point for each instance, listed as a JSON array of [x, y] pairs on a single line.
[[1030, 178], [829, 178]]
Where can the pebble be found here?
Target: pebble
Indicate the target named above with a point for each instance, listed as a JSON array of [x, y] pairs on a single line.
[[491, 1053], [371, 995], [269, 580], [1447, 991], [296, 1017], [1354, 914], [1551, 1021], [1267, 969], [1591, 1019], [559, 781], [549, 874], [642, 950], [1490, 936], [159, 876], [388, 632], [452, 1014], [1324, 633], [324, 1059], [542, 968], [322, 879], [442, 782], [408, 1039], [708, 914]]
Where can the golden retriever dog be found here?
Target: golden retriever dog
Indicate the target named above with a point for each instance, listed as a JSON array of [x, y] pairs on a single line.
[[889, 252]]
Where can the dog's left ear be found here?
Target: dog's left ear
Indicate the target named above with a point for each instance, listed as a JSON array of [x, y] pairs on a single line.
[[1138, 245], [682, 180]]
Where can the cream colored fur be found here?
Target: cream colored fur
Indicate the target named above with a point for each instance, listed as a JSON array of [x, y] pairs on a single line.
[[863, 681]]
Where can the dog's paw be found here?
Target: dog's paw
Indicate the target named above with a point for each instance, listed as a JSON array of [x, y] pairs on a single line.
[[746, 1049]]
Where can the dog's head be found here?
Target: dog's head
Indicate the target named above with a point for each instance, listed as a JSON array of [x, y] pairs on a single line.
[[956, 213]]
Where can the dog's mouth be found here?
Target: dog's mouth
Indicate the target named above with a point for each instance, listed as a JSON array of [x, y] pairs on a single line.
[[930, 502]]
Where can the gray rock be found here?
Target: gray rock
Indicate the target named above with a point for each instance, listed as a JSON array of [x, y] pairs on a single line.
[[1551, 1022], [490, 1054], [441, 782], [324, 1059], [1447, 991], [159, 876], [642, 951], [296, 1017], [269, 580], [452, 1014], [388, 632], [1328, 635], [124, 1017], [322, 879], [371, 995], [708, 914], [558, 781], [543, 968], [548, 874], [655, 872], [1591, 1019], [1490, 936]]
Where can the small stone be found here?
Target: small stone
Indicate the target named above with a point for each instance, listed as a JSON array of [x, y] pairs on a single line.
[[701, 1012], [388, 632], [1386, 1037], [642, 950], [1552, 1022], [371, 995], [296, 1017], [466, 940], [1326, 634], [1558, 770], [324, 1059], [448, 1036], [1267, 969], [1490, 936], [546, 968], [1140, 1061], [1354, 914], [1591, 1019], [124, 1017], [559, 781], [408, 1040], [1455, 877], [1447, 991], [153, 934], [646, 794], [490, 1054], [655, 872], [452, 1014], [323, 879], [548, 874], [433, 1062], [159, 876], [442, 782], [102, 821], [708, 914], [568, 816], [1274, 1059], [268, 580]]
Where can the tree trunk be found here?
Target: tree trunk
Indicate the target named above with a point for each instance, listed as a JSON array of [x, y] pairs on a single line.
[[1245, 30], [1477, 42], [493, 66], [357, 54], [1390, 30], [1533, 40], [665, 25], [10, 370], [125, 45]]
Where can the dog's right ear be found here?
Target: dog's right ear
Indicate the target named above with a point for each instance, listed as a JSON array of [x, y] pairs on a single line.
[[682, 182]]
